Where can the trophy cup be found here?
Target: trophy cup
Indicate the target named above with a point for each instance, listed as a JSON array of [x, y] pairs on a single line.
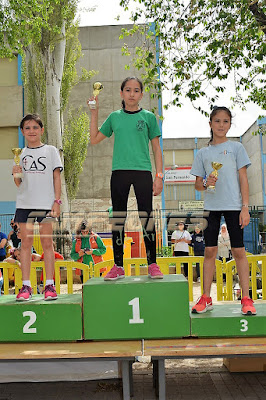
[[216, 166], [97, 87], [17, 151]]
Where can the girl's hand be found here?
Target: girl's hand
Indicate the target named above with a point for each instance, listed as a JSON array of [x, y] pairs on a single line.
[[211, 180], [89, 252], [244, 217], [17, 169], [93, 107], [157, 186], [55, 211]]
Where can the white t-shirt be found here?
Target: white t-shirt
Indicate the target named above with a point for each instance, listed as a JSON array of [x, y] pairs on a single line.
[[181, 246], [36, 190]]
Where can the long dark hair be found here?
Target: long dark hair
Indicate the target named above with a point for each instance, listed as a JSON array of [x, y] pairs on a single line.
[[130, 78], [215, 110]]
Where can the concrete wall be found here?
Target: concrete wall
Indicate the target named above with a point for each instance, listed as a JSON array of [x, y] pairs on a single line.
[[11, 106], [252, 144]]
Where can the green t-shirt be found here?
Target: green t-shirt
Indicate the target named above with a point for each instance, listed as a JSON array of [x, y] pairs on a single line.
[[133, 131]]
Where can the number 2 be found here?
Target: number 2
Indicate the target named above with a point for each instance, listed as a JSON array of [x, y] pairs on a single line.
[[27, 327], [136, 312]]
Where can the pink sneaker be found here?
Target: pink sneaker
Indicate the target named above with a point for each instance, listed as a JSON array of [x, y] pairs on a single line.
[[50, 292], [154, 271], [247, 306], [25, 293], [115, 273], [203, 304]]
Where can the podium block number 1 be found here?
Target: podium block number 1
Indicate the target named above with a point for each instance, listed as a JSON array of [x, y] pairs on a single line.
[[135, 311]]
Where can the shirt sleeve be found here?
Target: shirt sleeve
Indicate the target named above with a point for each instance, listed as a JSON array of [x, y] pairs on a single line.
[[154, 129], [56, 160], [106, 127], [198, 166], [242, 158]]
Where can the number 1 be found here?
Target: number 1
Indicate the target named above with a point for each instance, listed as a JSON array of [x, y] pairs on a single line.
[[135, 310]]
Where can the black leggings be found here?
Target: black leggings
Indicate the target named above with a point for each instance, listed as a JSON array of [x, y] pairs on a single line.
[[142, 182]]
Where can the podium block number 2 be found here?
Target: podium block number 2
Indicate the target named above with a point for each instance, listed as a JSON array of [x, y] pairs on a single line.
[[27, 327], [135, 311]]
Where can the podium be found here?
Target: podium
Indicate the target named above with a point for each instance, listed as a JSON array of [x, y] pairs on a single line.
[[136, 308], [226, 320], [41, 321]]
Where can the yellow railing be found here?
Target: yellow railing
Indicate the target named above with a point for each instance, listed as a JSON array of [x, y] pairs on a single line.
[[68, 265], [138, 266], [257, 266], [165, 263]]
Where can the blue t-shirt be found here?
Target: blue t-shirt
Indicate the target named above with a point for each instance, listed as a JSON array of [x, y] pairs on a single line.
[[233, 156], [3, 250]]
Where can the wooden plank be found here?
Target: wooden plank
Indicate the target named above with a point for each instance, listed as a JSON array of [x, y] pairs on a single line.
[[31, 351], [220, 347]]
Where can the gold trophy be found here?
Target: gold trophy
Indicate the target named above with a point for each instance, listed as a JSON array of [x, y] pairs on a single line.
[[17, 151], [216, 166], [97, 87]]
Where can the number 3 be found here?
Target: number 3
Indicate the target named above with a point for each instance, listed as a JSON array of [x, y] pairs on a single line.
[[27, 327], [244, 323]]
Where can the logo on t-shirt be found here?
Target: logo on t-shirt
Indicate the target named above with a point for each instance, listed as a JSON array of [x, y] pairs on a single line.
[[32, 165], [140, 125]]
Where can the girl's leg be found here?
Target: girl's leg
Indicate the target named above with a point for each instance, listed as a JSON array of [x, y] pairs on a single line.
[[26, 231], [46, 236], [209, 268], [242, 266], [143, 189], [120, 186]]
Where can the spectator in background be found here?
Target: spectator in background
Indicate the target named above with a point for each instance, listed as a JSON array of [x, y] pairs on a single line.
[[181, 239], [224, 245], [87, 247], [13, 234], [3, 242], [198, 244]]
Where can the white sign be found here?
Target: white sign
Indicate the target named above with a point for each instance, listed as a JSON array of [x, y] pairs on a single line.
[[187, 205], [179, 175]]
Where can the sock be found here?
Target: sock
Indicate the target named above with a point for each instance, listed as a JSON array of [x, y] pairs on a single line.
[[26, 283], [49, 282]]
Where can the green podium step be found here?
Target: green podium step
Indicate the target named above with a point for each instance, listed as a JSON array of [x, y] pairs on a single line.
[[227, 320], [38, 320], [136, 308]]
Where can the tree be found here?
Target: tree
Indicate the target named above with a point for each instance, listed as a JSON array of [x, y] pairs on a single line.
[[202, 42], [45, 34]]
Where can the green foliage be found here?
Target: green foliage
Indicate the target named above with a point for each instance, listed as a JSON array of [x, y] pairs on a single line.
[[201, 43], [165, 251], [75, 144]]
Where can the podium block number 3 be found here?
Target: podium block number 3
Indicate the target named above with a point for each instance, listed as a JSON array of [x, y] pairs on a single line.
[[27, 327], [135, 311]]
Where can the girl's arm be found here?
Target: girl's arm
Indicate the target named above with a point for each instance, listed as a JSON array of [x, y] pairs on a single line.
[[157, 152], [55, 212], [244, 216], [95, 135]]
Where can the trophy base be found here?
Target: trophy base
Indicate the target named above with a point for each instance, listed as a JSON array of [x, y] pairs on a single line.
[[18, 175], [92, 104], [211, 189]]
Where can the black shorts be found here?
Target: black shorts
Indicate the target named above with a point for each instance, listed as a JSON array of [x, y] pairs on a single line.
[[23, 215], [211, 233]]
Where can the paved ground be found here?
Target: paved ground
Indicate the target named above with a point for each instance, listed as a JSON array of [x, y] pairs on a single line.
[[187, 380]]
